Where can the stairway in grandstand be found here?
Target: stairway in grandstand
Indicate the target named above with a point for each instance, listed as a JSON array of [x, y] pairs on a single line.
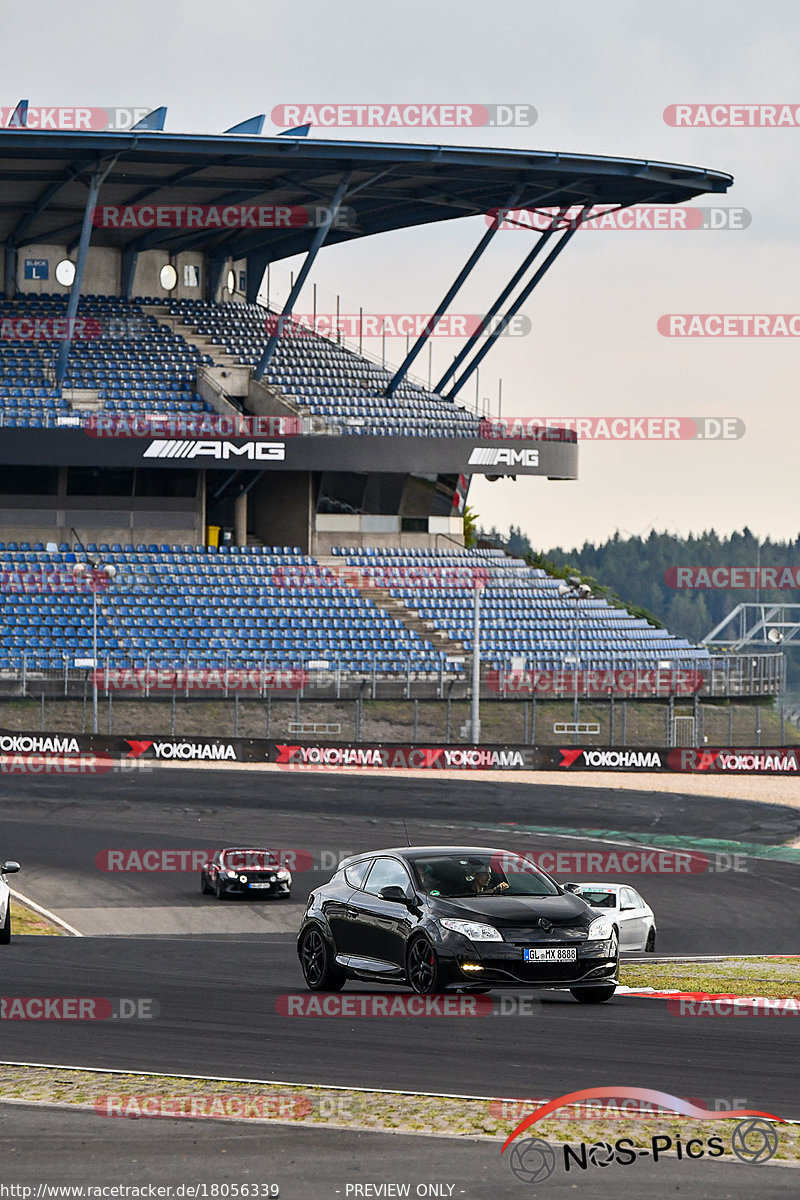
[[455, 651]]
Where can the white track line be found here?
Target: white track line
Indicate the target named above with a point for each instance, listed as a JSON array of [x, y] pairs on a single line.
[[45, 912]]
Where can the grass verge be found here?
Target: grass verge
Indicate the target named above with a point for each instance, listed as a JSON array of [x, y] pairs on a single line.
[[778, 977], [137, 1096], [26, 920]]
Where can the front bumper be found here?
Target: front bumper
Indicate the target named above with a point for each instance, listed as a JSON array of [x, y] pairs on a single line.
[[273, 887], [502, 965]]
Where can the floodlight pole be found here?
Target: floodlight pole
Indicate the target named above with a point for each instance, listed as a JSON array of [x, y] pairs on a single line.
[[475, 708]]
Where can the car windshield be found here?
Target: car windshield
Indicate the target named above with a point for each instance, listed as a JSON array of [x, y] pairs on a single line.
[[598, 897], [249, 860], [496, 874]]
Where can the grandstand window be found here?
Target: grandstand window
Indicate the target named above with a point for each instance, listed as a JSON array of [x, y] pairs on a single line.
[[414, 524], [168, 277], [91, 481], [191, 275], [29, 481], [65, 272], [231, 282]]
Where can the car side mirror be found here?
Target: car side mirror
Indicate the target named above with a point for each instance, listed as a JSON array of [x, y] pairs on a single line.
[[627, 908], [11, 867], [395, 893], [572, 887]]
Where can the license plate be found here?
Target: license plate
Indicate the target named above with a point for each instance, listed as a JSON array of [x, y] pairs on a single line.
[[260, 885], [555, 955]]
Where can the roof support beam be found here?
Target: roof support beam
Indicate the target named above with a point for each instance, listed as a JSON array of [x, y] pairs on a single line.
[[518, 275], [316, 246], [451, 293], [130, 257], [518, 303], [95, 181]]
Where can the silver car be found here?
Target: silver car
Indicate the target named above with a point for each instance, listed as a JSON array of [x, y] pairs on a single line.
[[8, 868], [630, 912]]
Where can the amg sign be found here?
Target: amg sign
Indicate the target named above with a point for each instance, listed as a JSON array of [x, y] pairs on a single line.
[[503, 456], [190, 448]]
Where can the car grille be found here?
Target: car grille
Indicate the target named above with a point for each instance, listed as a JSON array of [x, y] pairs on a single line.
[[526, 935]]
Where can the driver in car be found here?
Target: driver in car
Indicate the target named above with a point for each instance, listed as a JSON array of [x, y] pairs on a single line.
[[481, 883]]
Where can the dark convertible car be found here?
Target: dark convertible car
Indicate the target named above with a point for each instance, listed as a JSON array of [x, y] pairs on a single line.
[[442, 917], [246, 871]]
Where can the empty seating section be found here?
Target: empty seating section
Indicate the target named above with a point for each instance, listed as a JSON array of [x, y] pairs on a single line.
[[522, 614], [136, 365], [242, 608], [327, 379]]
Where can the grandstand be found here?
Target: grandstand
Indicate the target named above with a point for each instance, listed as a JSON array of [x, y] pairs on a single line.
[[275, 550]]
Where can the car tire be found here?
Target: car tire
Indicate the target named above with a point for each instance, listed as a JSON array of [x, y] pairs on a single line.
[[316, 962], [220, 892], [5, 932], [650, 944], [423, 972], [594, 995], [205, 888]]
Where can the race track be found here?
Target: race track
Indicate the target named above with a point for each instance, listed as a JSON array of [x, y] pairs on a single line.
[[215, 970]]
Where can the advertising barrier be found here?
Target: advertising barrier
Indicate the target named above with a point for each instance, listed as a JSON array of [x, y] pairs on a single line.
[[761, 760]]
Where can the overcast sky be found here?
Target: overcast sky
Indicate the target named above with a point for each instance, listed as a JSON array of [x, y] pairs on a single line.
[[599, 76]]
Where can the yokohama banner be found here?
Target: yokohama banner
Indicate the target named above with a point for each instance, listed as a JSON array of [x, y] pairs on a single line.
[[347, 756]]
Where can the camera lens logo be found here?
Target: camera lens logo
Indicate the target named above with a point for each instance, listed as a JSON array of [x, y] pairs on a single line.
[[533, 1161], [754, 1141]]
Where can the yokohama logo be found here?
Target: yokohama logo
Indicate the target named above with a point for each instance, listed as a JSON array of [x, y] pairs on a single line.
[[494, 456], [188, 448]]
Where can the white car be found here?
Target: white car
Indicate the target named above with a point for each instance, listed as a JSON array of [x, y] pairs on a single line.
[[5, 902], [630, 912]]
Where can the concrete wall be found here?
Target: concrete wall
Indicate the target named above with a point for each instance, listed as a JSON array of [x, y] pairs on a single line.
[[104, 272]]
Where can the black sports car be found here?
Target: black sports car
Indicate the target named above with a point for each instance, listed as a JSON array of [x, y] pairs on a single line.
[[441, 917], [245, 871]]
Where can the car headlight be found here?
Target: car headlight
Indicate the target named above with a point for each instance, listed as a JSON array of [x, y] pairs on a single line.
[[283, 875], [243, 879], [473, 930], [231, 874], [600, 929]]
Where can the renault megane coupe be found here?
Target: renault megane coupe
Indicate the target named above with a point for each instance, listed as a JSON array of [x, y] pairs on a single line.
[[441, 917]]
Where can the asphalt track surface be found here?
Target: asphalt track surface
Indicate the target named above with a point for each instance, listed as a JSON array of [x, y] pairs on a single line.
[[321, 1163], [217, 990]]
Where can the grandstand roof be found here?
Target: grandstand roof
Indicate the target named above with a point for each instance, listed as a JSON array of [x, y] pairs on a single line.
[[391, 186]]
